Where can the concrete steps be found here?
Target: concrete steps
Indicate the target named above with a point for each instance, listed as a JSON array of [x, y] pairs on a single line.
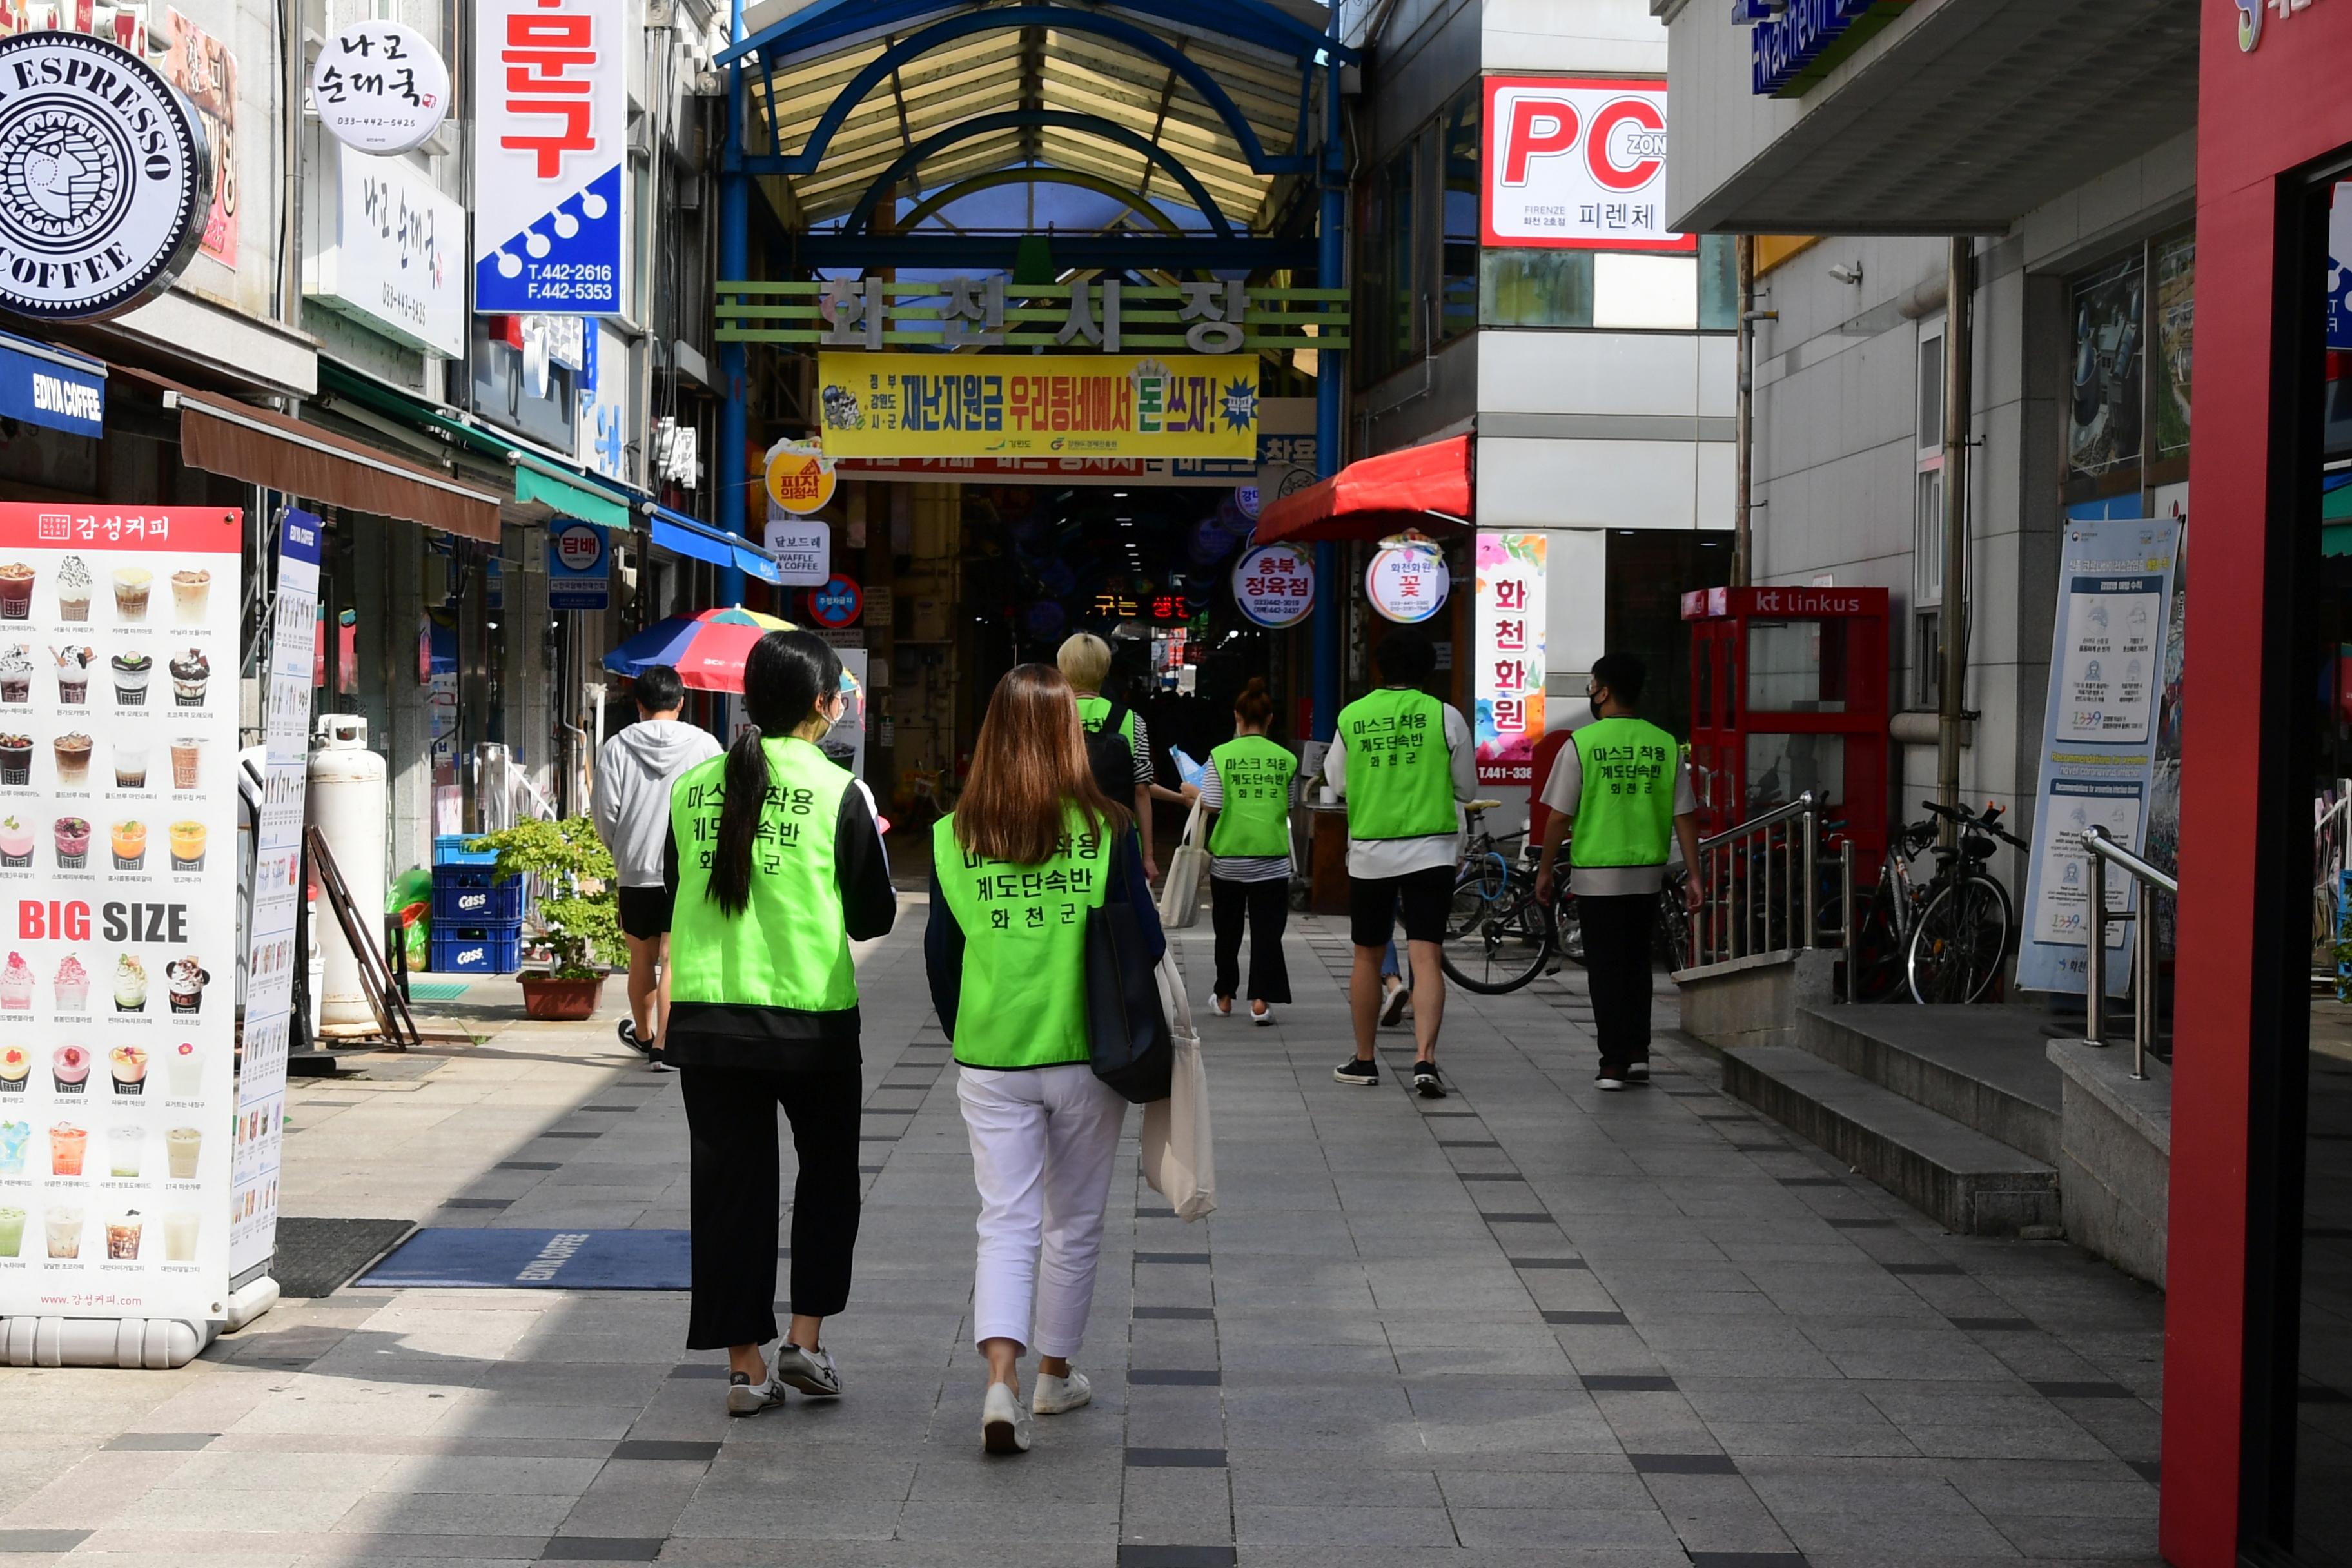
[[1986, 1068]]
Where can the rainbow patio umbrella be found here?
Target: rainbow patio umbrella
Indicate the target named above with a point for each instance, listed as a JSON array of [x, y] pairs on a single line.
[[707, 650]]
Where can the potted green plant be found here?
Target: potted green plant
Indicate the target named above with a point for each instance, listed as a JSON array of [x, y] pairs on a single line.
[[578, 910]]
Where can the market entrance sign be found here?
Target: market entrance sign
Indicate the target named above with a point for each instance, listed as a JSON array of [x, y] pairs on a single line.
[[105, 178], [925, 405]]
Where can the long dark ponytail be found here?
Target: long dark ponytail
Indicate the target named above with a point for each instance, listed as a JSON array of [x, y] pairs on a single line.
[[785, 676]]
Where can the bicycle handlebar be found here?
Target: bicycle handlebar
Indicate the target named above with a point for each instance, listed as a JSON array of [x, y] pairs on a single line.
[[1988, 821]]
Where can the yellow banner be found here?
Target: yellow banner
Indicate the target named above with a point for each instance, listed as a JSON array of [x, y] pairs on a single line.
[[1072, 406]]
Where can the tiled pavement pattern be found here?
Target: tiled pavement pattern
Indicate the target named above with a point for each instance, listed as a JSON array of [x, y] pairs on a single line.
[[1528, 1325]]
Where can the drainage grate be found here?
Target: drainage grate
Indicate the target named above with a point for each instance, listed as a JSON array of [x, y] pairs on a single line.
[[316, 1256]]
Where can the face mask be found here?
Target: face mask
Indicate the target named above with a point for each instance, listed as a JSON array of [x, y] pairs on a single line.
[[1592, 705]]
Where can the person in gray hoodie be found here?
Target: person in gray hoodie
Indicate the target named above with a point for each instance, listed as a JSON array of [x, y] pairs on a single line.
[[633, 773]]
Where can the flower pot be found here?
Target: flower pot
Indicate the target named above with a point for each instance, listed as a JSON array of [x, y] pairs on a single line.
[[560, 1001]]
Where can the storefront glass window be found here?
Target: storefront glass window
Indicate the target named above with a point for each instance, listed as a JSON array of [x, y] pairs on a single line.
[[1782, 767], [1458, 305], [1530, 287], [2102, 420], [1796, 667], [1718, 283], [1527, 286], [2175, 336]]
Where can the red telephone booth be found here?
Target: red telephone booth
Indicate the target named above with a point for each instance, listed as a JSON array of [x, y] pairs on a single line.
[[1789, 694]]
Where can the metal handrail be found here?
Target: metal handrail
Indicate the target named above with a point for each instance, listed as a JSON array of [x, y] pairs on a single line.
[[1719, 933], [2104, 851]]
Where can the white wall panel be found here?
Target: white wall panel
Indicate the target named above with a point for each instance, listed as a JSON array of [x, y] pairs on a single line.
[[1645, 292], [1589, 373], [1586, 484], [1599, 37]]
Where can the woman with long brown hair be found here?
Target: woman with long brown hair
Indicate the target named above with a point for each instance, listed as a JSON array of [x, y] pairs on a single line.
[[1033, 846]]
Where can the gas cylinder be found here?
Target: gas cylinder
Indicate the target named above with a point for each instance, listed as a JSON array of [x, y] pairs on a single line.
[[349, 804]]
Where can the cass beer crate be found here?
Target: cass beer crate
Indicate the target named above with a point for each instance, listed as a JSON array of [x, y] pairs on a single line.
[[478, 950]]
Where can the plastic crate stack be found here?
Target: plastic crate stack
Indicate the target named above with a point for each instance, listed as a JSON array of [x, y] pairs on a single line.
[[476, 918]]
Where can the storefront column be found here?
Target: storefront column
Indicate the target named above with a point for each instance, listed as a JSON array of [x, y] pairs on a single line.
[[408, 742]]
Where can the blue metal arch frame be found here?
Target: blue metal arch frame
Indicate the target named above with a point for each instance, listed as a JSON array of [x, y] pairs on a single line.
[[831, 21], [914, 44], [861, 217]]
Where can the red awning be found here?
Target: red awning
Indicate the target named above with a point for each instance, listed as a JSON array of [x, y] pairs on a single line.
[[1427, 488]]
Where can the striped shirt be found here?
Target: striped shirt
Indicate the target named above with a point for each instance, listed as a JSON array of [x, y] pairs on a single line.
[[1240, 867]]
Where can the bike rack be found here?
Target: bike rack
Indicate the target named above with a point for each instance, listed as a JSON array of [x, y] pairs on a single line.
[[1748, 881], [2104, 850]]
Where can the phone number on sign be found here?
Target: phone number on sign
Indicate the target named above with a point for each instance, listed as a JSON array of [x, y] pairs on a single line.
[[573, 271]]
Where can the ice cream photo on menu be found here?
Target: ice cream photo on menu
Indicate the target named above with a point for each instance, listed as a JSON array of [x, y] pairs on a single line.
[[190, 674], [184, 978], [128, 1064], [73, 662], [16, 673], [15, 842], [71, 984], [70, 1069], [74, 585], [73, 843], [133, 671], [130, 984], [16, 592], [17, 986], [15, 1067]]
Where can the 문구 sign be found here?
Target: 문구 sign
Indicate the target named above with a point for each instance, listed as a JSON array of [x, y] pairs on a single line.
[[551, 92]]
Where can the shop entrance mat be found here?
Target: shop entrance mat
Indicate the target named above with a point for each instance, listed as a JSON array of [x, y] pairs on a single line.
[[436, 990], [315, 1257], [475, 1258]]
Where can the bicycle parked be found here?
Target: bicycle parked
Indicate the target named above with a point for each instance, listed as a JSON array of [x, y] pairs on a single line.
[[1499, 936], [1944, 940]]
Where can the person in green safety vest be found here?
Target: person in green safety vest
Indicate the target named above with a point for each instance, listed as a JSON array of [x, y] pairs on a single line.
[[1250, 786], [775, 866], [1622, 795], [1403, 760], [1033, 847], [1084, 659]]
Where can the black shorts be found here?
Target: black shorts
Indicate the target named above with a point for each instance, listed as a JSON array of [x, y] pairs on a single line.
[[645, 912], [1372, 906]]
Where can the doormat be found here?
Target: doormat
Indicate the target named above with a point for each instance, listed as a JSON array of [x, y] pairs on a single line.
[[470, 1257], [436, 990], [316, 1257]]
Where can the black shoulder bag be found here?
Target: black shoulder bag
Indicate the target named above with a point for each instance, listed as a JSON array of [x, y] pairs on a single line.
[[1128, 1045]]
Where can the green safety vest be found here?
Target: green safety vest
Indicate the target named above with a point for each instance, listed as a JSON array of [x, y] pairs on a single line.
[[1255, 821], [789, 948], [1024, 1001], [1625, 812], [1093, 710], [1400, 773]]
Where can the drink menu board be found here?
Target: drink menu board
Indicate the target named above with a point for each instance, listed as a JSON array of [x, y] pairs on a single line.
[[119, 667], [277, 898]]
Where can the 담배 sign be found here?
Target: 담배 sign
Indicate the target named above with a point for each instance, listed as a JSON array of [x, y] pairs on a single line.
[[119, 872], [1090, 405], [551, 94], [1406, 580], [380, 87], [2098, 739], [579, 566], [1577, 163], [1273, 584], [1509, 678]]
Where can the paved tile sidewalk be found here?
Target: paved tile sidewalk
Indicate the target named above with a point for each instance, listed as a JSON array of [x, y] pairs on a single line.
[[1527, 1324]]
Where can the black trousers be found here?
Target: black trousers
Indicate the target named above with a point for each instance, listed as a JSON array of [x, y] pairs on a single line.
[[1266, 907], [1617, 964], [731, 1118]]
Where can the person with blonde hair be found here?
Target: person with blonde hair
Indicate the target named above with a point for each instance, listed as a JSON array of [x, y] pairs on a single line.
[[1084, 659], [1033, 847]]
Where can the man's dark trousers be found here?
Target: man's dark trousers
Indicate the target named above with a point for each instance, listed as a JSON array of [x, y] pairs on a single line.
[[1617, 962]]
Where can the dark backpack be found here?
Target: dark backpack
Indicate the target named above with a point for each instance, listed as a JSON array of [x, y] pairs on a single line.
[[1112, 759]]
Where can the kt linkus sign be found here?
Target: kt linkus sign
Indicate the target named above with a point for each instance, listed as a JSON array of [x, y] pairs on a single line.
[[105, 178]]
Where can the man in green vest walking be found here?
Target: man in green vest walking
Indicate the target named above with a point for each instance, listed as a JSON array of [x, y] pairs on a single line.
[[1623, 793], [1402, 759]]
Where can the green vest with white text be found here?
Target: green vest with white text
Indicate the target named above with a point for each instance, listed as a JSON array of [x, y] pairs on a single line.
[[1254, 776], [790, 946], [1625, 810], [1400, 773], [1024, 1001], [1093, 710]]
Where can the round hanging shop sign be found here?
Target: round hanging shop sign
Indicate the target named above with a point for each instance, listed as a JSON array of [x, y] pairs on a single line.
[[105, 178], [800, 477], [1407, 581], [836, 604], [380, 87], [1275, 584]]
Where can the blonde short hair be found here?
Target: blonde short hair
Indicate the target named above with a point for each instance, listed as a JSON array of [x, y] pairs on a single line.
[[1084, 659]]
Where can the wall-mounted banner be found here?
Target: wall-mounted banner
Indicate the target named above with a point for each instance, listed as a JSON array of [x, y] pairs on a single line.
[[1508, 684], [800, 477], [1577, 163], [579, 566], [803, 552], [395, 256], [2098, 739], [551, 92], [926, 405], [106, 177], [119, 871], [1791, 51], [1275, 584], [1407, 581], [380, 87]]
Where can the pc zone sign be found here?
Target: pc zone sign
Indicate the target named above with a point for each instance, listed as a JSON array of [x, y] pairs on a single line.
[[1577, 163]]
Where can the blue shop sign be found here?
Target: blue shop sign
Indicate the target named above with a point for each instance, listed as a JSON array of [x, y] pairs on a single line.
[[1789, 46], [579, 566], [45, 385]]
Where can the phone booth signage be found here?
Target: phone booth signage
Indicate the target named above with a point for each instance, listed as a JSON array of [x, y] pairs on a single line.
[[1788, 692]]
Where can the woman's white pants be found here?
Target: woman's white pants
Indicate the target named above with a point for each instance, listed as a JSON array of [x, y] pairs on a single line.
[[1042, 1146]]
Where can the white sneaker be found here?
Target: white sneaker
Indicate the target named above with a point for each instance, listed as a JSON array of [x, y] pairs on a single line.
[[1263, 1016], [811, 1372], [1003, 1424], [745, 1397], [1053, 1395], [1394, 1003]]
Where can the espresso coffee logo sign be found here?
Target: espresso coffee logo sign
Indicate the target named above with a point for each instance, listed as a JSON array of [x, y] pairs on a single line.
[[104, 178]]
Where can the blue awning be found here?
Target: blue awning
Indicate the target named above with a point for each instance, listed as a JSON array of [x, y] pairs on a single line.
[[682, 535], [43, 384]]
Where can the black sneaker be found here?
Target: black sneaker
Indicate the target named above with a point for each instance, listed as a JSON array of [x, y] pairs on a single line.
[[1637, 1072], [1612, 1076], [628, 1033], [1425, 1081], [1363, 1075]]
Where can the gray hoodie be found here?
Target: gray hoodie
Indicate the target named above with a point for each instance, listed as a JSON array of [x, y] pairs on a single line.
[[633, 773]]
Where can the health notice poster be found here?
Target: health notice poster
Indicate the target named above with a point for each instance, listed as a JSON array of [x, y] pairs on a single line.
[[118, 878], [277, 900], [2098, 739]]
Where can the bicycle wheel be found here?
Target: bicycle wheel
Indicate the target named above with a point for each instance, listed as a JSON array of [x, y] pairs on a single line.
[[1957, 948], [1672, 937], [1878, 949], [1495, 945]]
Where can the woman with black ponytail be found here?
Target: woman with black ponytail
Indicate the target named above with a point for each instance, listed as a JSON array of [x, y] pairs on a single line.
[[777, 866]]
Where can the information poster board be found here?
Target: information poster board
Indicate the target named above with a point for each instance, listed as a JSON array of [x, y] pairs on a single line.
[[1508, 683], [276, 901], [2098, 739], [119, 872]]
